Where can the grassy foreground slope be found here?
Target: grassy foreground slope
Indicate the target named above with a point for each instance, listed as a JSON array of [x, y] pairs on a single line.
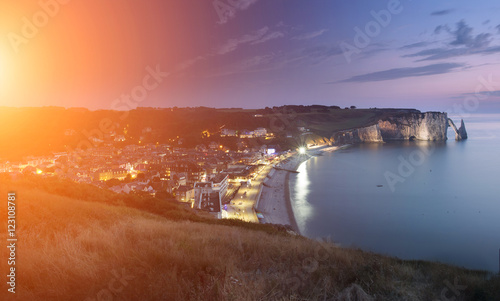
[[74, 248]]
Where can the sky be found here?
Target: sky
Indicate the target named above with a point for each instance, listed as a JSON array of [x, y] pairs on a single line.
[[122, 54]]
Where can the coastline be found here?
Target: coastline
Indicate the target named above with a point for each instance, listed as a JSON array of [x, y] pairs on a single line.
[[275, 202], [288, 201]]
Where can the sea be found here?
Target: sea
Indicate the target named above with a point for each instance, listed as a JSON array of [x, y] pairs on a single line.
[[435, 201]]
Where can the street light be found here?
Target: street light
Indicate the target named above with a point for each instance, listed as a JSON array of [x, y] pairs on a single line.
[[302, 150]]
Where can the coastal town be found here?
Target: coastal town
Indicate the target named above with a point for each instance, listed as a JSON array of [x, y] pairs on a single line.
[[223, 182], [250, 150]]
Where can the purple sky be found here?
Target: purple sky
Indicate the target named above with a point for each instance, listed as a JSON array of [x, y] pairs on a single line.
[[425, 54]]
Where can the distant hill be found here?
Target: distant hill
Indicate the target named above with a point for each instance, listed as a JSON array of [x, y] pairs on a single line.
[[41, 131], [78, 242]]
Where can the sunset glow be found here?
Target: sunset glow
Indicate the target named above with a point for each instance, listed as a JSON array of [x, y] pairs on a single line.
[[88, 54], [249, 150]]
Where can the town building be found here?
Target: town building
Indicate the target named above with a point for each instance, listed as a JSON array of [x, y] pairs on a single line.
[[111, 173], [207, 198], [227, 133], [260, 132]]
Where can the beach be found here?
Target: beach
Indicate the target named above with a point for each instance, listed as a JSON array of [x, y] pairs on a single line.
[[275, 203]]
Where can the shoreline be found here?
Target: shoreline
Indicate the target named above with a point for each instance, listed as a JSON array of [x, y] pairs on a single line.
[[288, 202], [275, 202]]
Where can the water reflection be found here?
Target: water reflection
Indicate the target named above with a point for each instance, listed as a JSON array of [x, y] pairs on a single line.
[[444, 208], [302, 209]]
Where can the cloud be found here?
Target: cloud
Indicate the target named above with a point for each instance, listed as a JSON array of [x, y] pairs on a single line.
[[442, 12], [490, 50], [320, 53], [482, 40], [248, 65], [310, 35], [464, 43], [233, 44], [441, 28], [189, 63], [398, 73], [256, 37], [463, 36], [244, 4], [271, 36], [484, 93], [498, 28], [227, 9], [484, 96], [415, 45], [439, 53], [444, 53], [256, 61]]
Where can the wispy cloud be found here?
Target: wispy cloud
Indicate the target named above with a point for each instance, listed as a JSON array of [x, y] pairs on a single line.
[[249, 65], [253, 38], [321, 53], [443, 53], [233, 44], [270, 36], [310, 35], [442, 12], [189, 63], [441, 28], [464, 43], [498, 28], [415, 45], [227, 11], [398, 73], [484, 96], [244, 4]]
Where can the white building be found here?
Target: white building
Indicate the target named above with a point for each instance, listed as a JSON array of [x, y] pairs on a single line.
[[260, 132], [227, 132]]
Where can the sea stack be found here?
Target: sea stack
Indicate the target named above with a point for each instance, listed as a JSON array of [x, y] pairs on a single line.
[[462, 133]]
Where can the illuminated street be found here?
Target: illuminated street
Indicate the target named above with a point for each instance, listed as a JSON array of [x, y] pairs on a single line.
[[242, 206]]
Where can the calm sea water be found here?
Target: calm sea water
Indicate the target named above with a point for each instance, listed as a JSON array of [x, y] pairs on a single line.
[[443, 204]]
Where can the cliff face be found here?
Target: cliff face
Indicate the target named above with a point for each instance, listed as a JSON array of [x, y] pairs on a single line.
[[431, 126], [370, 134], [366, 134]]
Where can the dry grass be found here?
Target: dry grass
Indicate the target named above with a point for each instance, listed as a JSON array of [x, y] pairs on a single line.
[[71, 249]]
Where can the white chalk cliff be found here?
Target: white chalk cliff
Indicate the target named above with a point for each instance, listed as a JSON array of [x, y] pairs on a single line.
[[429, 126]]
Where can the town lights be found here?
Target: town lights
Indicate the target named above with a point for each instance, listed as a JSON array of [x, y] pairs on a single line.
[[302, 150]]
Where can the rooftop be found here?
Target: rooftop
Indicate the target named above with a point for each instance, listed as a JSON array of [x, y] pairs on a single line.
[[203, 184]]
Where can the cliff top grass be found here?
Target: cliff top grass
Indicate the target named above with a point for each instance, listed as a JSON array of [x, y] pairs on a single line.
[[77, 242]]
